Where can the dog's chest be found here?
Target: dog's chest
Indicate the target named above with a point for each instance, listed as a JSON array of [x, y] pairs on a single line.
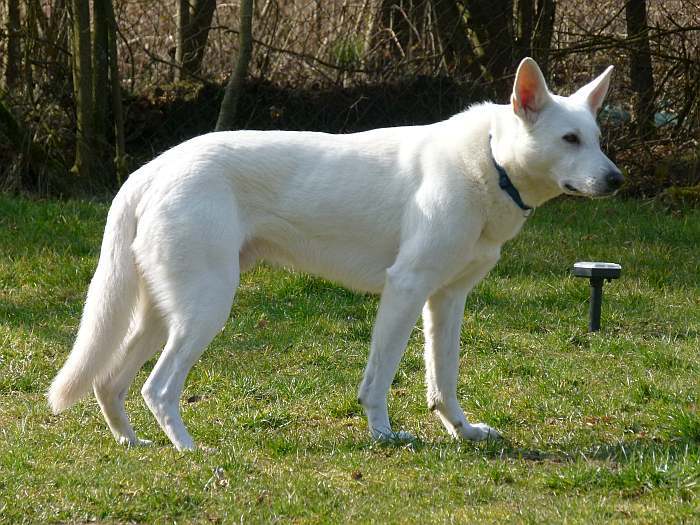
[[502, 224]]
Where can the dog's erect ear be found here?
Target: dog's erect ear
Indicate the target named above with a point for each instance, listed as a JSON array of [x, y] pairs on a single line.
[[530, 93], [594, 92]]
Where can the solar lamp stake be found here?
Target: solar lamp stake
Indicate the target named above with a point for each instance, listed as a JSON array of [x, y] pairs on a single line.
[[597, 273]]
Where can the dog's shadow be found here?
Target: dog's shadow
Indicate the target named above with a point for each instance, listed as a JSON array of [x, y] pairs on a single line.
[[634, 450], [620, 453]]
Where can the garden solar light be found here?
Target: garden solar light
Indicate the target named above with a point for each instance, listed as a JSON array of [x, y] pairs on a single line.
[[597, 273]]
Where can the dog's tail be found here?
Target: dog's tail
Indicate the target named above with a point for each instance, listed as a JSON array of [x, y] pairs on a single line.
[[108, 309]]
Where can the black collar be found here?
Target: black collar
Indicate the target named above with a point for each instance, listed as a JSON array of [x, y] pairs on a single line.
[[506, 185]]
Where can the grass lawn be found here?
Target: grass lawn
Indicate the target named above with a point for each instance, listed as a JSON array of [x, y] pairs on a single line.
[[598, 429]]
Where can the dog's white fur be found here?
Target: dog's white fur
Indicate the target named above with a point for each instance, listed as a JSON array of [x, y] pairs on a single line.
[[413, 213]]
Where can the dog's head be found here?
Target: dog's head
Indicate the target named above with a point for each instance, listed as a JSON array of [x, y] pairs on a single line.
[[558, 137]]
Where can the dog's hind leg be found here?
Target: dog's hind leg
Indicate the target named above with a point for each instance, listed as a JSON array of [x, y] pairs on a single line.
[[146, 337], [192, 272], [190, 330], [442, 320]]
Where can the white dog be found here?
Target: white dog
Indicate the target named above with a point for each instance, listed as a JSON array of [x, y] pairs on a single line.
[[417, 214]]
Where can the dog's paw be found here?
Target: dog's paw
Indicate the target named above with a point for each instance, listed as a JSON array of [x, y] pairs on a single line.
[[137, 442], [478, 432], [393, 437]]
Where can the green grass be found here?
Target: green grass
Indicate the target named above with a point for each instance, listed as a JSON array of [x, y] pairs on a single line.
[[598, 429]]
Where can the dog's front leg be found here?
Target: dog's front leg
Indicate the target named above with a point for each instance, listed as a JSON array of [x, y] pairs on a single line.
[[403, 295], [442, 319]]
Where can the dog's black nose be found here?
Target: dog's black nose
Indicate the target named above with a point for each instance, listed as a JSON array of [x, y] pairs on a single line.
[[614, 179]]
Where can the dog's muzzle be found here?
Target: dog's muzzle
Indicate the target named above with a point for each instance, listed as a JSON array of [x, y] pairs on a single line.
[[608, 184], [614, 180]]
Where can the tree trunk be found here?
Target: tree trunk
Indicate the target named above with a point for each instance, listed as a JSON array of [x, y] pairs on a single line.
[[229, 106], [82, 87], [31, 47], [194, 22], [100, 82], [535, 27], [183, 20], [491, 23], [543, 32], [525, 22], [640, 66], [120, 160], [42, 165], [58, 30], [13, 45], [501, 38], [198, 34], [453, 34]]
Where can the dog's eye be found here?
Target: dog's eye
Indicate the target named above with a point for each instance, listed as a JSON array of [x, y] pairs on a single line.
[[572, 138]]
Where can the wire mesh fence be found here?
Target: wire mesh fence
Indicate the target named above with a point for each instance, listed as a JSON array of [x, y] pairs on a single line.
[[343, 66]]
